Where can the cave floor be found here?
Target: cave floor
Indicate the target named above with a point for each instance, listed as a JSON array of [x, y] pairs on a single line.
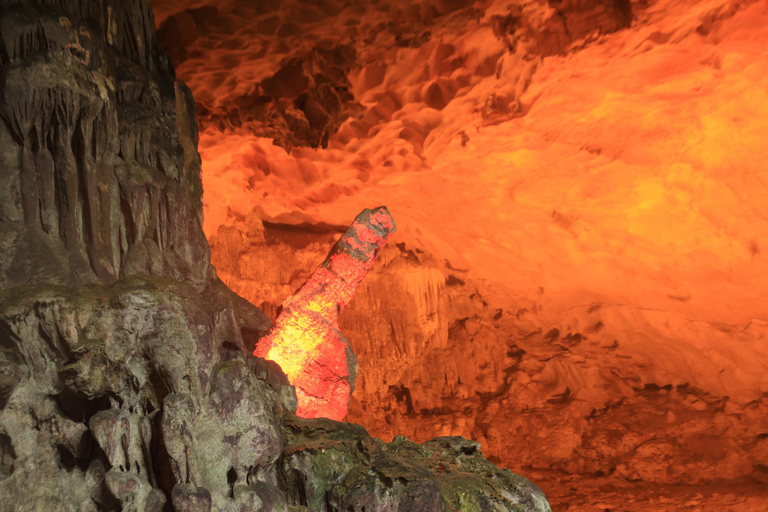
[[568, 493]]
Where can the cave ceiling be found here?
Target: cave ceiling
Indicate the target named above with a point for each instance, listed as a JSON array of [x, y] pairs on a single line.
[[579, 278]]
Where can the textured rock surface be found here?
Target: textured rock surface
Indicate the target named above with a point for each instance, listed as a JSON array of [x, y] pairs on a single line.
[[126, 389], [579, 276], [99, 163], [126, 375], [102, 182], [334, 466]]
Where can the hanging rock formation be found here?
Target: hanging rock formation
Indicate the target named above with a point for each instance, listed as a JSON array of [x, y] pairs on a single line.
[[126, 380], [100, 170]]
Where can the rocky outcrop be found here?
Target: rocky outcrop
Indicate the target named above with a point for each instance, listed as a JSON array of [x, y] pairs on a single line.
[[102, 184], [126, 375], [338, 466], [123, 391]]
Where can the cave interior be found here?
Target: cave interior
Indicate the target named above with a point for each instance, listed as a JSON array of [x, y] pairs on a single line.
[[578, 280]]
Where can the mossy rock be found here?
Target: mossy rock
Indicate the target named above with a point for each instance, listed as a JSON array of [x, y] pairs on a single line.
[[330, 466]]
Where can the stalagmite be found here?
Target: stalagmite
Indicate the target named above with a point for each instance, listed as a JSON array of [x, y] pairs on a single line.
[[306, 341]]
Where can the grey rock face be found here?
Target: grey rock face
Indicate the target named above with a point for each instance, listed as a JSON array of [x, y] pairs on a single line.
[[114, 394], [125, 390]]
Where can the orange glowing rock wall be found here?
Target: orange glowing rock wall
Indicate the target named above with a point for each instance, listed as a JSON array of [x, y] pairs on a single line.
[[579, 276], [306, 341]]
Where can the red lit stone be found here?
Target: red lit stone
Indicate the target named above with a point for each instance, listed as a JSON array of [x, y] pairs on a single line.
[[305, 340]]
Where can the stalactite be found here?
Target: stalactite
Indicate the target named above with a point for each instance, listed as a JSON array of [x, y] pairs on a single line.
[[66, 108], [104, 145], [20, 118], [153, 216], [29, 185], [163, 225], [84, 161], [143, 146], [45, 170], [97, 200]]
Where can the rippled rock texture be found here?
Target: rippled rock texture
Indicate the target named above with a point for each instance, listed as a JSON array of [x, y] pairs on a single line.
[[126, 375], [578, 279]]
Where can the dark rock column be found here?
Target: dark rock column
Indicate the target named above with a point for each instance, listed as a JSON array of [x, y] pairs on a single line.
[[98, 148]]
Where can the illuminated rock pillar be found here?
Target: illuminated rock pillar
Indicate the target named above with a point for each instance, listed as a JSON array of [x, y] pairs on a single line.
[[305, 340]]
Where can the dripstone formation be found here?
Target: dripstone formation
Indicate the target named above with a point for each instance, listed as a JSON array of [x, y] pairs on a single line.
[[306, 341], [126, 380]]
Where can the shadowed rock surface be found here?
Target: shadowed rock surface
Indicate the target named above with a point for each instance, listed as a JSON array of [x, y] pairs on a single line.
[[126, 380]]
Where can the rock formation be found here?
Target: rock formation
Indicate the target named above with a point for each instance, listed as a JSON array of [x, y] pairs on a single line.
[[98, 149], [334, 466], [126, 380], [306, 341]]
